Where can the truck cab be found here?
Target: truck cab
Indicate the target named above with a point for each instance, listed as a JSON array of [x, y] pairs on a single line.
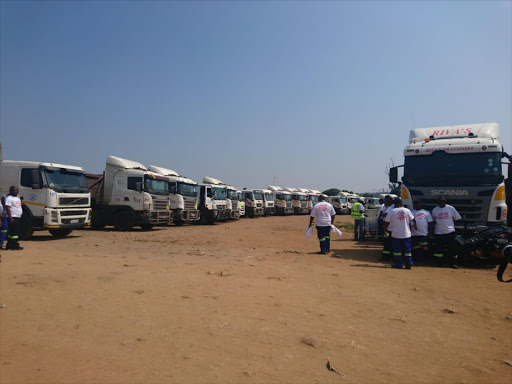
[[129, 195], [299, 201], [312, 199], [282, 200], [183, 196], [253, 199], [232, 197], [241, 203], [54, 196], [220, 201], [339, 203], [461, 163], [268, 202], [207, 207]]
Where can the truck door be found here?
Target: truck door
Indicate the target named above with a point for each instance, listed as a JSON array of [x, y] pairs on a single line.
[[31, 190]]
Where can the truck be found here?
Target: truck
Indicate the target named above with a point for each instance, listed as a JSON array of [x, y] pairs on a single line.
[[127, 194], [232, 197], [241, 203], [253, 199], [299, 202], [207, 206], [340, 204], [282, 200], [220, 201], [268, 203], [183, 196], [312, 199], [461, 163], [54, 196]]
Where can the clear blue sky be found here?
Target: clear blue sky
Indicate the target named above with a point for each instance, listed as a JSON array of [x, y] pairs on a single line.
[[317, 94]]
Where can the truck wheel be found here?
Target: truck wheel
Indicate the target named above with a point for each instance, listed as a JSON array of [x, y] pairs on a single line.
[[26, 226], [146, 227], [60, 232], [123, 221]]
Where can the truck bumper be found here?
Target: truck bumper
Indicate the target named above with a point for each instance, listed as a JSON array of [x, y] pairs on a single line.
[[153, 217], [66, 218]]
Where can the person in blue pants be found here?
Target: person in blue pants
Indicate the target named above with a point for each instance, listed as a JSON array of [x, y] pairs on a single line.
[[324, 214], [4, 221], [398, 221]]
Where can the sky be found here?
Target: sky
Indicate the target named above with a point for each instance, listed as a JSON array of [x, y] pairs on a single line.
[[304, 94]]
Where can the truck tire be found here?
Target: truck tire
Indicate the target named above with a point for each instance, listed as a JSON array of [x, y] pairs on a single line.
[[123, 221], [60, 232], [27, 221], [97, 221], [146, 227]]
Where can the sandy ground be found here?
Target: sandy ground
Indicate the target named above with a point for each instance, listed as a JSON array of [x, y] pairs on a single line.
[[240, 302]]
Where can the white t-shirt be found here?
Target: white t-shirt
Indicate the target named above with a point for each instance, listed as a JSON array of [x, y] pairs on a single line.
[[422, 217], [399, 219], [444, 218], [15, 203], [322, 212]]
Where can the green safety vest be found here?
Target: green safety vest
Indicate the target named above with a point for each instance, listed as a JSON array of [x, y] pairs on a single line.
[[356, 213]]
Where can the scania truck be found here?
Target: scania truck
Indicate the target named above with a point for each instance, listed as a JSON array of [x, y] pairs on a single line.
[[220, 201], [54, 196], [282, 200], [183, 196], [462, 163], [129, 195]]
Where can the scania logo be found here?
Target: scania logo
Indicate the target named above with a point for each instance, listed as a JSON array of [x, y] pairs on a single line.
[[449, 192]]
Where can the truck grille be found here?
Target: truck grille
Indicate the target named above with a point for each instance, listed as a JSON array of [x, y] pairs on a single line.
[[288, 204], [190, 204], [303, 204], [259, 205], [73, 213], [73, 201], [160, 205]]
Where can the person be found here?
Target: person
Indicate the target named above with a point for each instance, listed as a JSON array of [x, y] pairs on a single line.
[[444, 216], [3, 222], [380, 220], [324, 214], [419, 237], [386, 237], [357, 213], [398, 220], [14, 212]]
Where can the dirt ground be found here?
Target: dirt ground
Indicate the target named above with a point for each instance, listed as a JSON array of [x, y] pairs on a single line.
[[243, 302]]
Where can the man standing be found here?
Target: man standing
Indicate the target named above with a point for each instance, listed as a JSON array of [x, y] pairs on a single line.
[[399, 220], [3, 222], [357, 213], [324, 213], [444, 216], [419, 237], [14, 212]]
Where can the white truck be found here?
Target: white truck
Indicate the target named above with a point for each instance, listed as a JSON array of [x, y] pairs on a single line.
[[221, 204], [268, 203], [241, 203], [183, 196], [128, 195], [54, 196], [312, 199], [207, 207], [340, 204], [253, 199], [232, 197], [282, 200], [462, 163], [299, 201]]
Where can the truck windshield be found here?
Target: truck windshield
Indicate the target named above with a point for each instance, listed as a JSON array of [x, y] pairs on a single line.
[[258, 196], [219, 193], [239, 195], [63, 180], [269, 197], [156, 186], [185, 189], [443, 169], [232, 195], [287, 197], [343, 199], [313, 198]]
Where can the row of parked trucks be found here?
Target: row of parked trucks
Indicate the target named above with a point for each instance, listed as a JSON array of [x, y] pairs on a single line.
[[463, 163]]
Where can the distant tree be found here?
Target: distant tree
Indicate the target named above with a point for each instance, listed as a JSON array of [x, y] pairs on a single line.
[[331, 191]]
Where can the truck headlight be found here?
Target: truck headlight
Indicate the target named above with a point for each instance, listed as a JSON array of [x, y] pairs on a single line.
[[54, 217]]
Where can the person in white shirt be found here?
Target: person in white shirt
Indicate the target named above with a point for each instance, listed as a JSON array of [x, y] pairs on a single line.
[[399, 220], [3, 223], [445, 216], [14, 211], [386, 239], [419, 237], [324, 214]]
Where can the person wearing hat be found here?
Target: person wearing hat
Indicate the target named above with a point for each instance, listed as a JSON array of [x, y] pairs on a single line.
[[357, 213], [444, 216]]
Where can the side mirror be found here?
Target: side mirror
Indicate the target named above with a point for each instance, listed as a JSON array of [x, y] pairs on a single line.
[[393, 175], [138, 186]]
